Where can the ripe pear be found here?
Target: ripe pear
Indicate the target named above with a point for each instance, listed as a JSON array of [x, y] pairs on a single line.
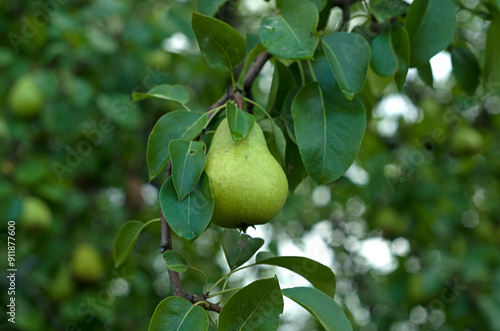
[[25, 98], [35, 214], [248, 184], [86, 264]]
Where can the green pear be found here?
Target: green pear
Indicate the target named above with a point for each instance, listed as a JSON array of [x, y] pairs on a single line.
[[35, 214], [25, 98], [61, 286], [248, 184], [467, 141], [86, 264]]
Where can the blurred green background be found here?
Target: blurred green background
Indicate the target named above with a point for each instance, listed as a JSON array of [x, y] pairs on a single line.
[[412, 231]]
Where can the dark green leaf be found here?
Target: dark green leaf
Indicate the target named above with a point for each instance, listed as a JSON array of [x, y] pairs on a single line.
[[321, 306], [291, 34], [384, 61], [221, 45], [431, 26], [175, 261], [286, 113], [255, 307], [319, 275], [320, 4], [348, 55], [189, 218], [466, 69], [492, 60], [275, 140], [283, 82], [240, 122], [175, 125], [401, 44], [188, 161], [239, 248], [338, 127], [295, 170], [126, 239], [176, 93], [175, 313], [389, 9], [425, 73]]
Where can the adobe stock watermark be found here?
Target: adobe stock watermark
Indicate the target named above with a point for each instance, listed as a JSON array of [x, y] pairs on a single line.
[[31, 27], [94, 132]]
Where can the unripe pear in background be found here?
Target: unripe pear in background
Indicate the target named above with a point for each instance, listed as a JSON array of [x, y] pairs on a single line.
[[467, 140], [248, 184], [86, 264], [61, 286], [35, 214], [25, 97]]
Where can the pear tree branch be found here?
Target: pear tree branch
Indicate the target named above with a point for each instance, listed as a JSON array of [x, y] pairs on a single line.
[[166, 231]]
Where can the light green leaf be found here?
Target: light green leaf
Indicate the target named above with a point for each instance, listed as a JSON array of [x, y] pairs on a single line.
[[321, 306], [126, 239], [255, 307], [291, 34], [175, 125], [221, 45], [319, 275], [188, 161], [383, 61], [208, 7], [431, 26], [190, 217], [175, 313], [348, 55], [176, 93], [175, 261], [239, 248], [240, 122], [338, 127], [389, 9]]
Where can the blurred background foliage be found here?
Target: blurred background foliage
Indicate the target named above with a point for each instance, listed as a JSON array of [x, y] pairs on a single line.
[[412, 231]]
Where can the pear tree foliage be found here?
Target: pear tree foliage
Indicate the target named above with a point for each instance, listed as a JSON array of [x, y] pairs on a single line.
[[312, 125]]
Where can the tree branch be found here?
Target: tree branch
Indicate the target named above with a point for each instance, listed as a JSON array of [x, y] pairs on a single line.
[[166, 231]]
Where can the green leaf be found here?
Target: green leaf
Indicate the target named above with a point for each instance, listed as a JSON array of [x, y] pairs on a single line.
[[291, 34], [466, 69], [401, 44], [175, 261], [321, 306], [295, 170], [431, 26], [176, 93], [319, 275], [175, 125], [240, 122], [286, 113], [320, 4], [492, 60], [348, 55], [275, 140], [239, 248], [190, 217], [283, 82], [258, 49], [255, 307], [338, 126], [425, 73], [208, 7], [126, 239], [188, 161], [175, 313], [221, 45], [389, 9], [384, 61]]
